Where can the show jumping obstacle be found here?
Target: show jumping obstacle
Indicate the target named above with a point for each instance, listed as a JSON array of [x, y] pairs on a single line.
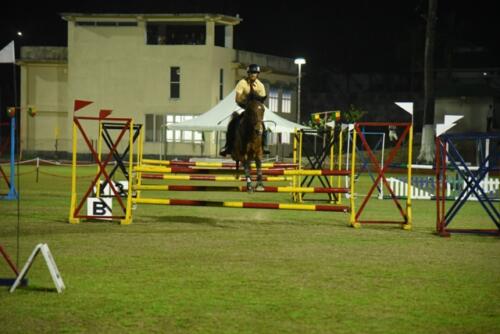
[[306, 151], [156, 172], [271, 172], [221, 176], [380, 169], [475, 180], [98, 206]]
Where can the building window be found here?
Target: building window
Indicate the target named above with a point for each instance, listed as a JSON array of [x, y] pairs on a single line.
[[173, 135], [284, 138], [221, 84], [273, 100], [175, 82], [273, 138], [106, 23], [157, 129], [153, 128], [150, 128], [175, 34], [220, 34], [286, 102], [187, 135], [184, 136], [159, 121]]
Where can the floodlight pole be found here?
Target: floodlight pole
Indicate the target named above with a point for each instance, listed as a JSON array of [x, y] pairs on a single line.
[[299, 62]]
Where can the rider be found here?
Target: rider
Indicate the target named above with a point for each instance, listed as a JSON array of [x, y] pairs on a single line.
[[245, 88]]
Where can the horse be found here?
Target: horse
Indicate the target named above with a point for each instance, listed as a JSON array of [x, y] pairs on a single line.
[[248, 141]]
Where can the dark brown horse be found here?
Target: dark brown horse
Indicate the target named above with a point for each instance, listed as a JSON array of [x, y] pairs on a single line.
[[248, 142]]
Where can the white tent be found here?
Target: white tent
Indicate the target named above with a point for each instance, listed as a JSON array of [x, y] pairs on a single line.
[[217, 118]]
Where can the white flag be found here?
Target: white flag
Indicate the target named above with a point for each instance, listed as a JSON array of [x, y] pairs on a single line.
[[407, 106], [7, 54]]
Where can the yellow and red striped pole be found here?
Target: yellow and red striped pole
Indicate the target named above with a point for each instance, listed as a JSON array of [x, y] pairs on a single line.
[[271, 189], [247, 205], [185, 170], [217, 178], [212, 164]]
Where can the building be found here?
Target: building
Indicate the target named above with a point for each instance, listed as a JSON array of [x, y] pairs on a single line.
[[155, 68]]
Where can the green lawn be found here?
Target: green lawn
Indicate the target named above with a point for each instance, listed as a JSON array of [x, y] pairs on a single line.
[[223, 270]]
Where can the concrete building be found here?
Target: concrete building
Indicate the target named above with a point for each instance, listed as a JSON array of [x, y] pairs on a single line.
[[155, 68]]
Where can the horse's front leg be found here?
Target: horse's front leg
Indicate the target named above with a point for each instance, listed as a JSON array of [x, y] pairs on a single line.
[[248, 178], [237, 176], [260, 185]]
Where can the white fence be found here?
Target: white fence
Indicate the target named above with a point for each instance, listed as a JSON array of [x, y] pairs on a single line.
[[424, 188]]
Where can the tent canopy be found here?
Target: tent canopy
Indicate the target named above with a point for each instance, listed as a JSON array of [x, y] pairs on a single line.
[[217, 118]]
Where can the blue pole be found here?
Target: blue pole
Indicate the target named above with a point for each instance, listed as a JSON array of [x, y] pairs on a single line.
[[12, 191]]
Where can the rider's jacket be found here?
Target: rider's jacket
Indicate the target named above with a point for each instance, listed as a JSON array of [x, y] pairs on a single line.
[[243, 89]]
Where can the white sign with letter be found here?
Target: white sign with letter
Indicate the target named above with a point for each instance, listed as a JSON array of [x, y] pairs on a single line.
[[100, 207]]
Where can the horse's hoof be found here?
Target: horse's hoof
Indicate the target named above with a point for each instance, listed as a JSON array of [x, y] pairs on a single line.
[[249, 190], [259, 188]]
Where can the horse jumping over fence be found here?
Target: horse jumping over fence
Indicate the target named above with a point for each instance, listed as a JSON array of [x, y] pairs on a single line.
[[248, 141]]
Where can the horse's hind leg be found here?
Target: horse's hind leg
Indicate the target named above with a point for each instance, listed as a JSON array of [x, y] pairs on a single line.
[[260, 185], [248, 178]]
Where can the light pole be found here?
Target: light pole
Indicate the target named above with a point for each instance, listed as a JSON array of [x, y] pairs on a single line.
[[300, 62]]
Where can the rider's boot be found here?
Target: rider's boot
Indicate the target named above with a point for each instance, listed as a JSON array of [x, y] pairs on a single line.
[[226, 150], [230, 134]]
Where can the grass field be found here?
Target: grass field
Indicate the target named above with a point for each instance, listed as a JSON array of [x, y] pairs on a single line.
[[223, 270]]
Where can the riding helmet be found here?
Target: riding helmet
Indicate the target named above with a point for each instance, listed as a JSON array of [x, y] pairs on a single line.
[[253, 68]]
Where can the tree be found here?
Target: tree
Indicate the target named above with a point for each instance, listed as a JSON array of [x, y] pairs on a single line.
[[427, 144]]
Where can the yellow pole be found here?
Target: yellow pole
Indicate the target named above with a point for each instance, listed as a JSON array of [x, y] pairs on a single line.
[[72, 219], [128, 210], [407, 226], [99, 149], [353, 172], [139, 159], [295, 161], [341, 143], [332, 154], [141, 143], [299, 178]]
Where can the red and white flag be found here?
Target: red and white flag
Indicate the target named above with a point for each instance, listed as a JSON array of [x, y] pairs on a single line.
[[7, 54]]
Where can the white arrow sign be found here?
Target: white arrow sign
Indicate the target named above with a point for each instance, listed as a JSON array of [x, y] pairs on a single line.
[[449, 122], [407, 106], [331, 124], [451, 118], [348, 126], [442, 128]]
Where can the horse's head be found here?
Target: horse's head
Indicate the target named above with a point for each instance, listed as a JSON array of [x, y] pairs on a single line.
[[255, 115], [248, 139]]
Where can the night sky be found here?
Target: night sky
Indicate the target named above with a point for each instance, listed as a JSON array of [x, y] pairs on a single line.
[[351, 36], [362, 35]]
